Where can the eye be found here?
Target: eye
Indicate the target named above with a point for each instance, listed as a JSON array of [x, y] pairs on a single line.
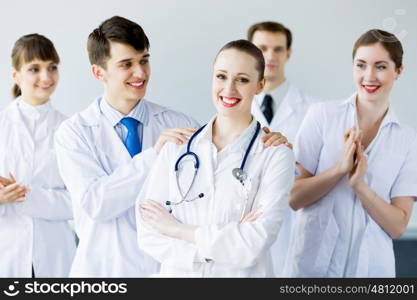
[[242, 80], [221, 76], [144, 61], [126, 65], [33, 69], [360, 65], [53, 68], [381, 67]]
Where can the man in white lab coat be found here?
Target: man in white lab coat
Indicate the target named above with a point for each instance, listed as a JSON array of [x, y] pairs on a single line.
[[105, 152], [281, 107]]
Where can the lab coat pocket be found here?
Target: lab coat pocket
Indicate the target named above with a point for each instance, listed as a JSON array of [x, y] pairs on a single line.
[[326, 247], [245, 193]]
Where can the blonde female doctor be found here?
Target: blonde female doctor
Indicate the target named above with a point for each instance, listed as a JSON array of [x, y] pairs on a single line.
[[227, 198], [358, 170], [36, 239]]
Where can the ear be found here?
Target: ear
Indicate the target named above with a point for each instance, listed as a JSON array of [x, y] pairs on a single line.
[[98, 72], [260, 87], [399, 71], [289, 53], [15, 76]]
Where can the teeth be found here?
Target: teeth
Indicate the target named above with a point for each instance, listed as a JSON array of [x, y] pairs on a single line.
[[229, 101], [371, 87], [136, 84]]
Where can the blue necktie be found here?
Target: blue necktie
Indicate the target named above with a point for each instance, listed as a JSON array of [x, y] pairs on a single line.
[[132, 141]]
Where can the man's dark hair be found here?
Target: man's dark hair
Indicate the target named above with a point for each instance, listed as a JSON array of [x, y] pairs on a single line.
[[271, 27], [115, 29]]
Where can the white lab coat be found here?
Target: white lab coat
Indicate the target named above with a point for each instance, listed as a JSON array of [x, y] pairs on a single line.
[[335, 236], [224, 248], [104, 182], [286, 120], [35, 231]]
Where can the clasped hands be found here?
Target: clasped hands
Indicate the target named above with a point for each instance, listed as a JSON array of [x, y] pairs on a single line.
[[353, 161], [12, 191]]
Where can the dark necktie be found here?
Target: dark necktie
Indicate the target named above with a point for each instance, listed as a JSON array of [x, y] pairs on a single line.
[[132, 141], [266, 107]]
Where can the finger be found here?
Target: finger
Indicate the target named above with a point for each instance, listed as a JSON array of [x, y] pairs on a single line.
[[20, 199], [149, 208], [146, 214], [289, 145], [173, 139], [17, 193], [266, 129], [1, 186], [347, 133], [275, 138], [12, 177], [272, 134], [183, 131], [280, 141], [154, 203], [175, 134], [12, 187]]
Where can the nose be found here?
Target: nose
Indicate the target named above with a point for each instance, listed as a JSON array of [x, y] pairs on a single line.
[[45, 76], [370, 74], [230, 86], [268, 54], [140, 71]]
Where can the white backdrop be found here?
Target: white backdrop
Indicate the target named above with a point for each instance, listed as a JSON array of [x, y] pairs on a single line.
[[185, 35]]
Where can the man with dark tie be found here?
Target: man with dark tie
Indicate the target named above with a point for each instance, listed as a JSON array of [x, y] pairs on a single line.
[[281, 106]]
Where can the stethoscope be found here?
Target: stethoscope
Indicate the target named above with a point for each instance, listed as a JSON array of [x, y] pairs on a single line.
[[238, 173]]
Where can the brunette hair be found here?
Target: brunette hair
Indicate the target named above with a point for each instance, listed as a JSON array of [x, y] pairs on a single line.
[[271, 27], [116, 29], [387, 40], [30, 47], [248, 48]]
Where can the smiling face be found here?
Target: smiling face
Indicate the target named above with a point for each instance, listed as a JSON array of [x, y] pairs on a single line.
[[374, 72], [37, 80], [126, 74], [235, 83], [274, 49]]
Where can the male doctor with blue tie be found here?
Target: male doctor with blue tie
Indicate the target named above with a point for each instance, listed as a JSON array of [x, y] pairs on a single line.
[[105, 152], [96, 152]]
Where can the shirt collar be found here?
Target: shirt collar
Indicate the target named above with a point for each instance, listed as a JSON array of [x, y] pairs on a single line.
[[277, 94], [240, 144], [139, 112], [32, 111], [390, 117]]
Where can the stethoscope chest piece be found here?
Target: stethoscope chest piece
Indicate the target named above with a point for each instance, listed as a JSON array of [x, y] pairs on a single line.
[[239, 174]]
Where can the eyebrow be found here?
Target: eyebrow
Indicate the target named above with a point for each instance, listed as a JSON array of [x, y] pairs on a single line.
[[378, 62], [129, 59], [241, 73]]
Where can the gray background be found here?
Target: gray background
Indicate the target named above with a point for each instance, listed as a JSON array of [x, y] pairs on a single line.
[[185, 35]]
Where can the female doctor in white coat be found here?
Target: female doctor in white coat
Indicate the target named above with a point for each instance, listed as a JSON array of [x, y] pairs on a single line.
[[36, 239], [358, 170], [223, 226]]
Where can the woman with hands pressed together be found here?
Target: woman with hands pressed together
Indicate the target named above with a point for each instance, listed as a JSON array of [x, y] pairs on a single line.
[[357, 168], [222, 221], [36, 239]]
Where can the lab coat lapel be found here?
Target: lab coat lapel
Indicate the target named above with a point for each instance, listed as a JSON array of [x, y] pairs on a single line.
[[110, 143], [21, 133], [105, 137], [287, 107], [257, 113]]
